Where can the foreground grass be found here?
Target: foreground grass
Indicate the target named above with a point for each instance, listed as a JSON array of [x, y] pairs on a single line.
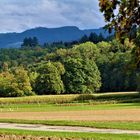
[[94, 124], [65, 107], [95, 98], [95, 136]]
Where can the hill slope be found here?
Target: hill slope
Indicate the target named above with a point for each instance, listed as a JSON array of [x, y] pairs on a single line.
[[67, 33]]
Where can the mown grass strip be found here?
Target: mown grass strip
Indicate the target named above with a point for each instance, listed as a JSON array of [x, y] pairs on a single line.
[[65, 107], [93, 124], [95, 136]]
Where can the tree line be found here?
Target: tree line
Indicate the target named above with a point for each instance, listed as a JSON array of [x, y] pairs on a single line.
[[81, 68]]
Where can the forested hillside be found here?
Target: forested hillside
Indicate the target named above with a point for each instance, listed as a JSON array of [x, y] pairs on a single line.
[[67, 68], [50, 35]]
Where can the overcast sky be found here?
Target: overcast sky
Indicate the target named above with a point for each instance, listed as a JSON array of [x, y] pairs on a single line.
[[19, 15]]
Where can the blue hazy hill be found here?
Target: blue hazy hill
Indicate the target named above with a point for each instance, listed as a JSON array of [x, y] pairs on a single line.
[[65, 34]]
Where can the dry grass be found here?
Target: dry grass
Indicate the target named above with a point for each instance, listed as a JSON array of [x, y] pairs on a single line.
[[107, 97]]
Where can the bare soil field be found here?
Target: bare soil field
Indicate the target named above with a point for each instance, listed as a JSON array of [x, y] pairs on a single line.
[[93, 115]]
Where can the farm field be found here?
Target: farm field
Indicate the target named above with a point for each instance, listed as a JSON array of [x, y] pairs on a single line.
[[86, 112], [66, 107], [70, 70], [100, 115], [98, 107], [97, 113]]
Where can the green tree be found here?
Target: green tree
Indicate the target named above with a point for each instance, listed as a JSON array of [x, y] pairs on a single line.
[[125, 20], [49, 79], [23, 81], [136, 51], [104, 47], [15, 84], [86, 50], [8, 85], [114, 63], [33, 75], [30, 43], [93, 37], [81, 76], [84, 39], [138, 81], [100, 37], [5, 66]]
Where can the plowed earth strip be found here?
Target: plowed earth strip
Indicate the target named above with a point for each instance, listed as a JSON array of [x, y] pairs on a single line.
[[97, 115]]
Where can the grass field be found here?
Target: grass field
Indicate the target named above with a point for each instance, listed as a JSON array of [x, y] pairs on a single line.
[[72, 111], [94, 124], [111, 110], [95, 136], [89, 114], [65, 107]]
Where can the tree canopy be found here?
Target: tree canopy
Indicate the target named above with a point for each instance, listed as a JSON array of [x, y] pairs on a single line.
[[81, 68], [121, 15], [82, 76], [49, 79]]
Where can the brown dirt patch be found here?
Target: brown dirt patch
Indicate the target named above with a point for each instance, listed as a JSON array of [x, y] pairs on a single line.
[[98, 115]]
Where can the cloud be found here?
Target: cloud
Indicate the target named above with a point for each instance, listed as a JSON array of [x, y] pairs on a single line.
[[18, 15]]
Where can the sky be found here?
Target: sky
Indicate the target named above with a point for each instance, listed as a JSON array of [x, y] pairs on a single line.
[[20, 15]]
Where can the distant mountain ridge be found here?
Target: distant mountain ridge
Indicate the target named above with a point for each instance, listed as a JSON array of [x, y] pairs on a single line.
[[49, 35]]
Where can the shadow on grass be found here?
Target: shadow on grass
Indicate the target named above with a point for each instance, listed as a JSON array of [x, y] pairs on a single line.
[[116, 98]]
